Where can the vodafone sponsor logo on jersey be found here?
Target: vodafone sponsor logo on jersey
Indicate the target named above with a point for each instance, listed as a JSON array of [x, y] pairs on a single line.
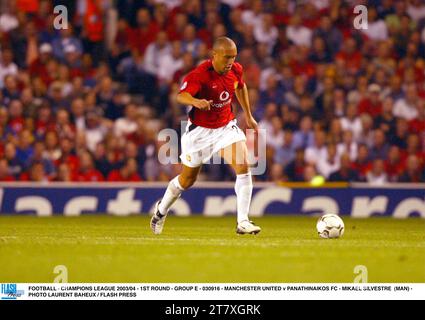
[[225, 97]]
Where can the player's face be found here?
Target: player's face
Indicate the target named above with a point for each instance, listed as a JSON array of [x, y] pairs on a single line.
[[224, 59]]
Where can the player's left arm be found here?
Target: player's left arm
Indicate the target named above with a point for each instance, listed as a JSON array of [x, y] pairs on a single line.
[[243, 98]]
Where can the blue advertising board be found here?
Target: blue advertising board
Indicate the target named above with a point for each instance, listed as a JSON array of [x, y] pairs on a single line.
[[212, 200]]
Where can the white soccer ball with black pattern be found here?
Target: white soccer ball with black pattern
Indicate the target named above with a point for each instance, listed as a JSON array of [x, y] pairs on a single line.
[[330, 226]]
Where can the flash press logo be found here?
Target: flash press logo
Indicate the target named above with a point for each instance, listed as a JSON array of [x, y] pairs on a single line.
[[9, 291]]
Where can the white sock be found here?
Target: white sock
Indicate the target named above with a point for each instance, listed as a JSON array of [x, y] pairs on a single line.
[[243, 189], [173, 192]]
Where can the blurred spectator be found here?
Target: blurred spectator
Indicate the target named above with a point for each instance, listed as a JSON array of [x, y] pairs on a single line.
[[276, 173], [275, 135], [377, 29], [132, 70], [30, 104], [16, 117], [64, 173], [386, 120], [16, 167], [348, 145], [93, 27], [377, 175], [413, 172], [367, 136], [251, 69], [8, 18], [95, 130], [307, 108], [10, 90], [269, 113], [151, 164], [345, 172], [318, 150], [416, 10], [293, 97], [309, 173], [396, 90], [5, 176], [272, 92], [266, 32], [362, 165], [36, 173], [371, 105], [39, 156], [87, 172], [414, 148], [352, 122], [297, 33], [156, 52], [252, 14], [401, 132], [319, 52], [126, 125], [406, 107], [330, 163], [24, 151], [127, 173], [394, 164], [67, 155], [145, 31], [417, 125], [38, 67], [349, 55], [285, 153], [330, 34], [7, 66], [190, 43], [52, 152], [380, 146], [66, 43], [295, 169], [304, 137], [169, 63]]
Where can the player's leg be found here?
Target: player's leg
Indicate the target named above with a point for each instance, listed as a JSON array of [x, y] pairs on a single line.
[[174, 190], [236, 155], [176, 186]]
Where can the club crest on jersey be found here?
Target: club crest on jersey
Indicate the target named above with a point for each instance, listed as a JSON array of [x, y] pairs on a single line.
[[224, 96], [184, 86]]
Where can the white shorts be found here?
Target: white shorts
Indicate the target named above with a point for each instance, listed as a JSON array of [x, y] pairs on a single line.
[[200, 144]]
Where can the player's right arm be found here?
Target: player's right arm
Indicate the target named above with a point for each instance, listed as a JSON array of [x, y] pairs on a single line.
[[190, 87], [187, 99]]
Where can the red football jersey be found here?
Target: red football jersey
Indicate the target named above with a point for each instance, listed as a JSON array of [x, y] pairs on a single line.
[[205, 83]]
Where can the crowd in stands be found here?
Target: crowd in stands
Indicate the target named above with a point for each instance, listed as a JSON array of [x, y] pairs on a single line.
[[85, 103]]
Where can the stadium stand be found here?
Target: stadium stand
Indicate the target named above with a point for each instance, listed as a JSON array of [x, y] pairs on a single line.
[[85, 103]]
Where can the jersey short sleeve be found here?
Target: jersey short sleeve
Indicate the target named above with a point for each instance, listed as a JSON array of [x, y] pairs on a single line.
[[238, 70], [191, 83]]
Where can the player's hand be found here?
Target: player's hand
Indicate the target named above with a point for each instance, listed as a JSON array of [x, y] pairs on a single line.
[[203, 104], [251, 123]]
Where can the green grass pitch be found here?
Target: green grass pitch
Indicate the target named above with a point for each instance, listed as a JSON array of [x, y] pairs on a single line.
[[200, 249]]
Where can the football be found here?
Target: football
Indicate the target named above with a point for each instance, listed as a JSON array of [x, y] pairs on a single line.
[[330, 226]]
